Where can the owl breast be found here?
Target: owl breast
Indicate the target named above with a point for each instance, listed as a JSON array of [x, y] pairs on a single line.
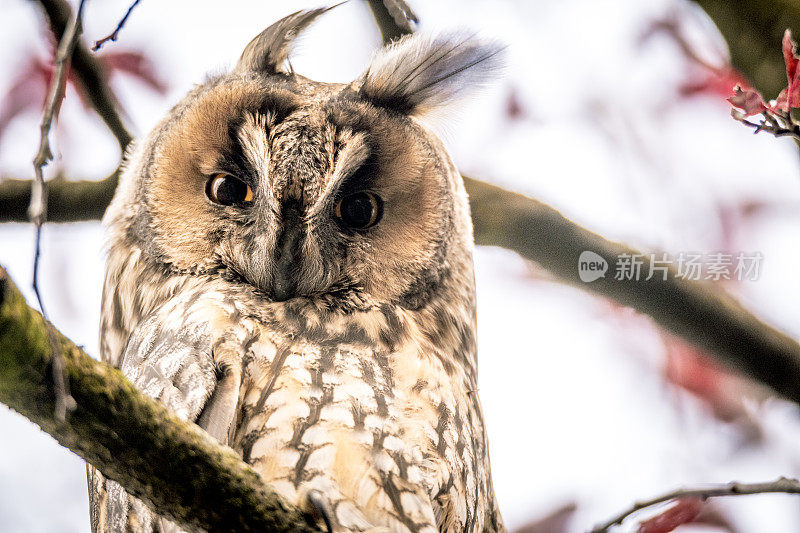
[[361, 407]]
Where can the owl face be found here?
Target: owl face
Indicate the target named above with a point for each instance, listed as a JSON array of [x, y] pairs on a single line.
[[305, 189]]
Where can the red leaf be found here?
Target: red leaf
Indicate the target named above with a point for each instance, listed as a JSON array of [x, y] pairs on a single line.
[[28, 88], [137, 65], [749, 100], [684, 511], [790, 97], [716, 82], [27, 91], [789, 57]]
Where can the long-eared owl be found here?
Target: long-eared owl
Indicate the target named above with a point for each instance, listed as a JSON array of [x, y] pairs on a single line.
[[290, 266]]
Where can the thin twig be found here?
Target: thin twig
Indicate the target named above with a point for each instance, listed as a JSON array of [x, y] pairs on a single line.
[[37, 210], [774, 129], [113, 35], [780, 485], [88, 71]]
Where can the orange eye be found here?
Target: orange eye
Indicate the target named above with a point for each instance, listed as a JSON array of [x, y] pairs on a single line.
[[224, 189]]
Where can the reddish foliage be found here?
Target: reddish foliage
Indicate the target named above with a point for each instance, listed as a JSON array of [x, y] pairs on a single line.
[[137, 65], [790, 96], [724, 391], [696, 373], [751, 102], [714, 82], [684, 511], [748, 100], [28, 88], [703, 76], [514, 108]]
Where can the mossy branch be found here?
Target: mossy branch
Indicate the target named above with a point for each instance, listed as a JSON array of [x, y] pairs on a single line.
[[173, 466]]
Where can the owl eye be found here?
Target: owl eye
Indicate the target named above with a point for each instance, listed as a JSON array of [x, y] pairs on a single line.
[[360, 210], [226, 190]]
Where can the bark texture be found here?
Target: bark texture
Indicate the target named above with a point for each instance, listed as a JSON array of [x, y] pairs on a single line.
[[174, 466]]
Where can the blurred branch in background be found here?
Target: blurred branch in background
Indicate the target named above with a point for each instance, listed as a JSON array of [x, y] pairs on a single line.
[[89, 72], [68, 200], [393, 17], [698, 312], [129, 437], [688, 503]]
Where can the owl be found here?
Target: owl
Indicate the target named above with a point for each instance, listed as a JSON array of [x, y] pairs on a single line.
[[290, 267]]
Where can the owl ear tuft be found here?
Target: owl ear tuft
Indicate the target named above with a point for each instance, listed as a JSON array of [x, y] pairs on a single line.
[[419, 73], [269, 51]]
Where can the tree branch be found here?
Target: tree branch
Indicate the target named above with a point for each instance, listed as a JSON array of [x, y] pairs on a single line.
[[131, 438], [393, 17], [68, 201], [37, 210], [115, 34], [89, 72], [698, 312], [781, 485]]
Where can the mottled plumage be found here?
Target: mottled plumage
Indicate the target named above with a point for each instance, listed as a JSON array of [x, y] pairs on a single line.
[[243, 289]]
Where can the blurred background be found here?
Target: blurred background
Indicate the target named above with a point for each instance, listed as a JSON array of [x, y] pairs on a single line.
[[612, 112]]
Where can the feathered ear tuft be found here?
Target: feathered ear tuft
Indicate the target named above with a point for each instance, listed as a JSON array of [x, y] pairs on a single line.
[[419, 73], [268, 52]]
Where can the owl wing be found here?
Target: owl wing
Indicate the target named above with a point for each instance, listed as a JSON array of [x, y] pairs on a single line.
[[180, 365]]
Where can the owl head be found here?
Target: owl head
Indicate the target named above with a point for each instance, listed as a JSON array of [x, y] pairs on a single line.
[[303, 189]]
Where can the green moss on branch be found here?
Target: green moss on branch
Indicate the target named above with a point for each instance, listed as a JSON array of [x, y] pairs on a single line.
[[172, 465]]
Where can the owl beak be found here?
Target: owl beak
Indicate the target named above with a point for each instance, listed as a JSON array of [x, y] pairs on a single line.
[[284, 283]]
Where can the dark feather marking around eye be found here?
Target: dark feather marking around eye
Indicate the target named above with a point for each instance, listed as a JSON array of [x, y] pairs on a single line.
[[362, 179], [235, 162], [278, 105]]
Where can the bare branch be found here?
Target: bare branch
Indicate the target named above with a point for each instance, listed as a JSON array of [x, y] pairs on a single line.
[[393, 17], [700, 313], [780, 485], [115, 34], [88, 71], [769, 125], [37, 210], [130, 438], [67, 200]]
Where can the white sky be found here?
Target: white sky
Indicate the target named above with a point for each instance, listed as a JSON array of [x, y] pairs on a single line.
[[605, 140]]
